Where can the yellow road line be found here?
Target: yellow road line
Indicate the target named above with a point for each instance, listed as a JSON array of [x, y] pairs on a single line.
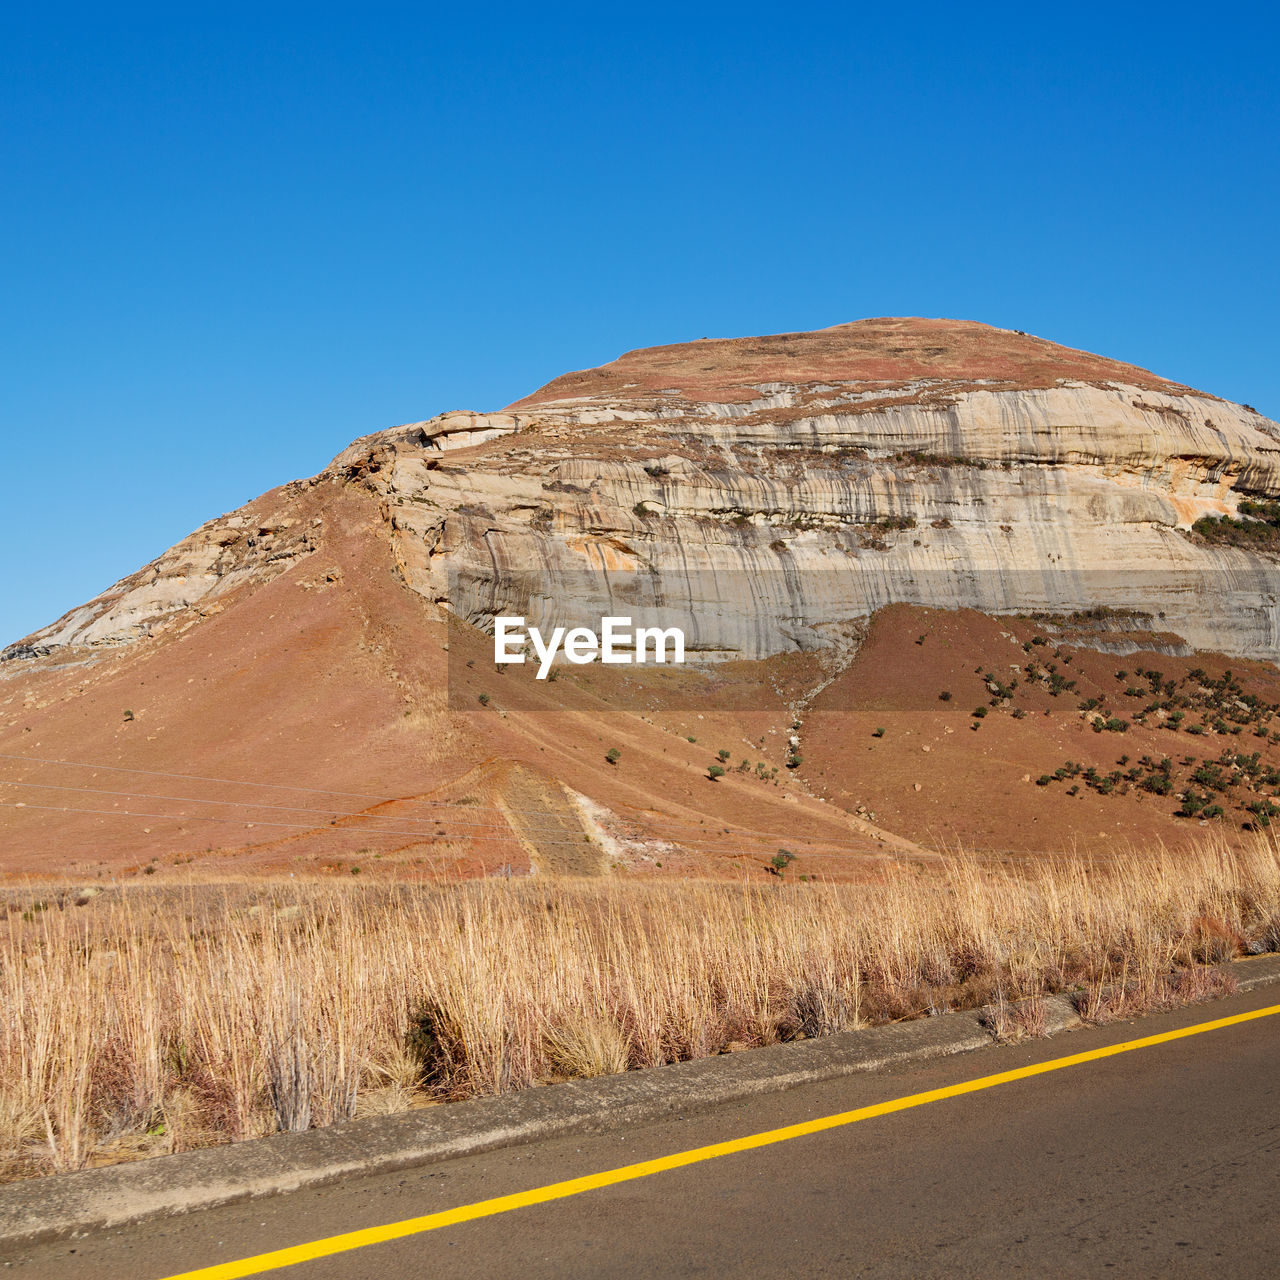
[[627, 1173]]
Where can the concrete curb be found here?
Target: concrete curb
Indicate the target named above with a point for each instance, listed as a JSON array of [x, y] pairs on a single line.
[[74, 1204]]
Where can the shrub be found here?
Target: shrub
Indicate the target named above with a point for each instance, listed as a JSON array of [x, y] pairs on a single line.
[[1197, 806], [1263, 811], [613, 755], [715, 771], [979, 712], [781, 861], [1260, 528], [945, 696], [483, 699], [879, 733], [723, 753]]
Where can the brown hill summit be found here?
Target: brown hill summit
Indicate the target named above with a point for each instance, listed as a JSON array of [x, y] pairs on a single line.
[[849, 524], [889, 351]]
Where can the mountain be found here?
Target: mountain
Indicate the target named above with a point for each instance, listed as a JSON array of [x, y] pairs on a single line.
[[839, 520]]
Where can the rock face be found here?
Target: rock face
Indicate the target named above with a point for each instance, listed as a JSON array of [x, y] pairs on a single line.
[[764, 492], [235, 550]]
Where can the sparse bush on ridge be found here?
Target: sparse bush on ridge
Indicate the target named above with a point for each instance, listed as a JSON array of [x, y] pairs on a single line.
[[1260, 526], [149, 1021]]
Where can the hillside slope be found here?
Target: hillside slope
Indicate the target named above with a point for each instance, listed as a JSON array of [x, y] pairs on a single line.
[[300, 682]]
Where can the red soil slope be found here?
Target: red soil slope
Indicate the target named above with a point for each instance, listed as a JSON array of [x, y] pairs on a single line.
[[947, 778], [332, 693]]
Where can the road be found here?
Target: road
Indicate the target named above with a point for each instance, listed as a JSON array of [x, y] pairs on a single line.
[[1163, 1161]]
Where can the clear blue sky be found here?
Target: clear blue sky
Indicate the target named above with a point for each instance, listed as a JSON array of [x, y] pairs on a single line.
[[236, 237]]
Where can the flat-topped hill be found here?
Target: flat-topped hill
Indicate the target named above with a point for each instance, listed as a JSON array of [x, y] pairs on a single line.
[[888, 351]]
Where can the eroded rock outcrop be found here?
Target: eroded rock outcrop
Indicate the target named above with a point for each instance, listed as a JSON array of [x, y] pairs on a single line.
[[224, 554]]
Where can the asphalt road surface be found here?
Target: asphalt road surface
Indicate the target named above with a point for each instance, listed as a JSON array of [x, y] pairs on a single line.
[[1164, 1161]]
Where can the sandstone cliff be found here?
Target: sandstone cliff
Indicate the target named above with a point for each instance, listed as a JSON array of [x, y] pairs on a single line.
[[761, 492]]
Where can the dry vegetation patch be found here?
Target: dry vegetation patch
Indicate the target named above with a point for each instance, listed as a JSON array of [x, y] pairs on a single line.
[[159, 1018]]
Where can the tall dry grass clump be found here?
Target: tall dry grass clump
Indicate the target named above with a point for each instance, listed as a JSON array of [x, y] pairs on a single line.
[[158, 1019]]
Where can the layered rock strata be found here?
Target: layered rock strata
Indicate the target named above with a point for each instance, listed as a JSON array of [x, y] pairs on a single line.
[[762, 493]]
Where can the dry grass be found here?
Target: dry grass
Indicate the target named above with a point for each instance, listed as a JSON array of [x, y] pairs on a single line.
[[1021, 1020], [157, 1019]]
